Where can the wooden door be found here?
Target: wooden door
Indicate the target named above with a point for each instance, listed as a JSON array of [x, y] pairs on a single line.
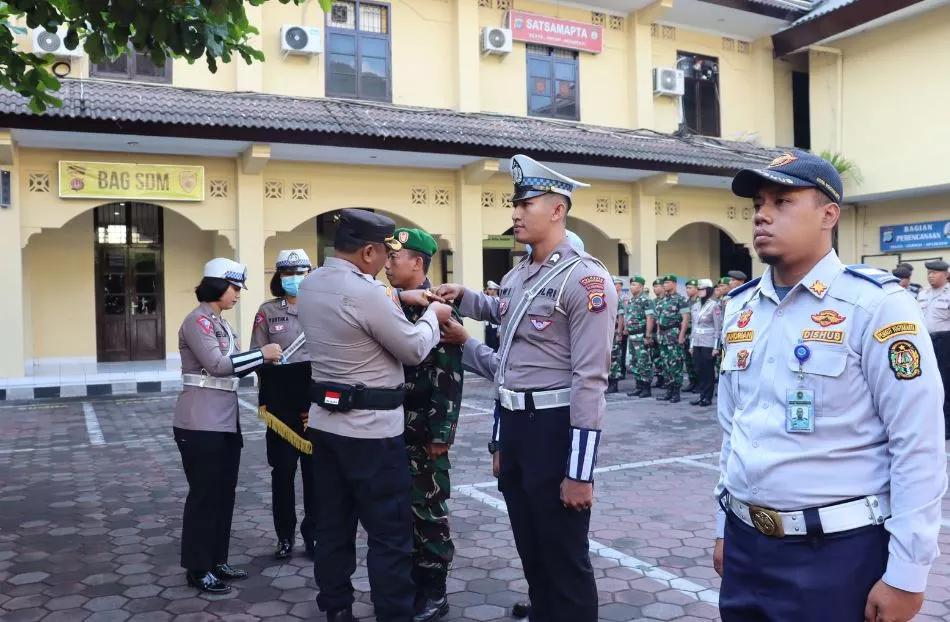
[[129, 283]]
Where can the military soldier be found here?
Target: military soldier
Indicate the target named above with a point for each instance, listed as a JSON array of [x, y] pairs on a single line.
[[672, 318], [704, 341], [284, 400], [638, 321], [655, 345], [694, 304], [557, 321], [433, 401], [616, 352], [206, 423], [358, 339], [835, 514], [935, 303]]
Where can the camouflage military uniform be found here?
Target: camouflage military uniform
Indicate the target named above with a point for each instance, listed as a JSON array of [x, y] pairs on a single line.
[[669, 315], [616, 356], [433, 401], [639, 359]]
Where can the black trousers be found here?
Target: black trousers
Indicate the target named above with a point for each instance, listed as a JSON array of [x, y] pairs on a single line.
[[941, 343], [211, 461], [283, 458], [365, 480], [551, 540], [704, 364]]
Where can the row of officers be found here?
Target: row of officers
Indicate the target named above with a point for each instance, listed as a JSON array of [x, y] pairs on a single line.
[[832, 463], [671, 336]]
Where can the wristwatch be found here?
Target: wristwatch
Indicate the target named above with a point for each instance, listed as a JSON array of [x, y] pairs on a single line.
[[492, 447]]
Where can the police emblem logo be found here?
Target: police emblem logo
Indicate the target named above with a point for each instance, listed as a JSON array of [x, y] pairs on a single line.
[[827, 317], [502, 307], [540, 324], [904, 359], [744, 318], [403, 237], [188, 180], [517, 175], [596, 302], [742, 359], [293, 259], [205, 324], [782, 160], [556, 257]]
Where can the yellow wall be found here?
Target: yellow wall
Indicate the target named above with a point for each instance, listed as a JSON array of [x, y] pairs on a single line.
[[784, 117], [187, 248], [692, 253], [893, 103]]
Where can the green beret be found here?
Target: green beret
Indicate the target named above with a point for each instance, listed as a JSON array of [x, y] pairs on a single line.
[[670, 277], [417, 240], [658, 281], [693, 282], [723, 281], [636, 278]]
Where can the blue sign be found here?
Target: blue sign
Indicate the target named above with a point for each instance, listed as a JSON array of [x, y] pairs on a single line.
[[915, 236]]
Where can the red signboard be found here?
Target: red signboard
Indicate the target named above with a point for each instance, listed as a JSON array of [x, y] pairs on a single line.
[[559, 33]]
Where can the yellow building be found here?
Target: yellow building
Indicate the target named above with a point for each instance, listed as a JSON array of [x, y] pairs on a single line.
[[112, 204]]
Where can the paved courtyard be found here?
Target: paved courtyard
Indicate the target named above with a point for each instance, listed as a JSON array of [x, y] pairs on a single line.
[[91, 495]]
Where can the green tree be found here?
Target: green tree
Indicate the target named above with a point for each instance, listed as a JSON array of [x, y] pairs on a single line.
[[160, 29]]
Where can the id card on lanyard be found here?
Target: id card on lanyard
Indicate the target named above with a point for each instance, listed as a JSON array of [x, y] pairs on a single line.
[[799, 401]]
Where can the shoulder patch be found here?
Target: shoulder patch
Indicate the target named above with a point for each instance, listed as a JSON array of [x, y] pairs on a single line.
[[744, 287], [258, 319], [871, 274], [205, 324]]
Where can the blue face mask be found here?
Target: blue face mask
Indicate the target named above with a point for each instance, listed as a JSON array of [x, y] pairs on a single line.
[[292, 283]]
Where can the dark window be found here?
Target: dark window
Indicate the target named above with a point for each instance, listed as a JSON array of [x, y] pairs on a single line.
[[701, 98], [358, 50], [134, 66], [552, 83], [800, 110]]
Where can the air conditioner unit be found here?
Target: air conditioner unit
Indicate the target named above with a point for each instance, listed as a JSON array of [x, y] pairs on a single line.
[[53, 43], [669, 81], [303, 40], [496, 40]]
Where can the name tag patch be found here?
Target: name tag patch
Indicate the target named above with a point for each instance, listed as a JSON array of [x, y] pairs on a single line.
[[740, 336], [895, 330], [824, 336], [904, 359]]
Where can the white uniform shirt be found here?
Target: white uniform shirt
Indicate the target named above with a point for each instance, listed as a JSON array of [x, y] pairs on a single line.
[[877, 404], [935, 304]]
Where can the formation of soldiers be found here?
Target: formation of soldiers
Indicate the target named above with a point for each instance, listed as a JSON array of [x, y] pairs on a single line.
[[654, 338]]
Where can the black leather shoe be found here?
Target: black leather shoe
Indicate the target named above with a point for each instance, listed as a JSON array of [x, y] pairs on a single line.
[[311, 548], [434, 607], [699, 401], [612, 386], [207, 582], [522, 609], [690, 388], [341, 615], [675, 396], [284, 548], [647, 391], [227, 571]]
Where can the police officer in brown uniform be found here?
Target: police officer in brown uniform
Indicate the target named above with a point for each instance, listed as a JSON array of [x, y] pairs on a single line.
[[557, 310], [284, 400], [358, 340], [206, 424]]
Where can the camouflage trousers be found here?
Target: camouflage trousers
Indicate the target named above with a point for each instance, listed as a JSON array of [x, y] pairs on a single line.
[[639, 358], [616, 354], [432, 546], [672, 357]]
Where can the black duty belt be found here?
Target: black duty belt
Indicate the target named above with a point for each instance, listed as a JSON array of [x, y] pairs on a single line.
[[338, 397]]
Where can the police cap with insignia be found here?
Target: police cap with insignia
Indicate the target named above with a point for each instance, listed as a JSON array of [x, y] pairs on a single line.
[[796, 169], [938, 265], [618, 280], [532, 179], [231, 271], [295, 259], [636, 278], [416, 240], [705, 283], [901, 272], [362, 226], [739, 275], [492, 285]]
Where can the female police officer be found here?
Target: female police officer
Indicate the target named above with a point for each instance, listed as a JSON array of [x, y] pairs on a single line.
[[206, 424], [284, 401]]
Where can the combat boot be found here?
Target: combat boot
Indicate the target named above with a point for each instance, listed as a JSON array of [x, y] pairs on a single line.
[[435, 606], [638, 392], [668, 396], [646, 392], [674, 394], [612, 386], [521, 610]]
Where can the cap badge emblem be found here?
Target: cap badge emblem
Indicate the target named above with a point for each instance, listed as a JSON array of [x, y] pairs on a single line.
[[517, 175], [293, 258], [782, 160], [403, 237]]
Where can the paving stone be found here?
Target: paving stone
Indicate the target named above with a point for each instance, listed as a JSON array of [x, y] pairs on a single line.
[[66, 602], [28, 577]]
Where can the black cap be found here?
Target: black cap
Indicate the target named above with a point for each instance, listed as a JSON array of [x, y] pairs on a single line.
[[798, 169], [359, 225], [904, 264], [737, 274], [901, 272], [937, 264]]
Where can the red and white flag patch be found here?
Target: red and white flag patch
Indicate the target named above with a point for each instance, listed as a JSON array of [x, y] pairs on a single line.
[[332, 398], [205, 324]]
